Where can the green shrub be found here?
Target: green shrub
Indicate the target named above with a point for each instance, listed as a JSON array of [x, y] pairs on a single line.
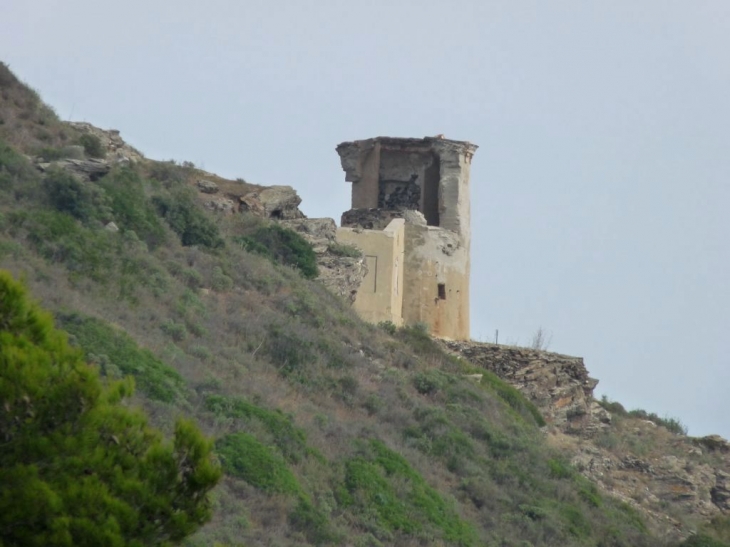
[[576, 522], [130, 207], [219, 281], [244, 457], [418, 338], [672, 424], [187, 220], [176, 331], [168, 173], [702, 540], [559, 469], [77, 466], [614, 407], [283, 245], [373, 404], [388, 326], [411, 507], [15, 168], [155, 378], [290, 440], [58, 237], [312, 522], [201, 352], [48, 153], [430, 381], [512, 396], [288, 351], [84, 201], [92, 146]]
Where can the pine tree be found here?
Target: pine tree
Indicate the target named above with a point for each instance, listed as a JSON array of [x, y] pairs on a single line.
[[77, 467]]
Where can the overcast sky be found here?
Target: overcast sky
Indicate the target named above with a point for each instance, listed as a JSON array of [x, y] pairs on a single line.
[[600, 191]]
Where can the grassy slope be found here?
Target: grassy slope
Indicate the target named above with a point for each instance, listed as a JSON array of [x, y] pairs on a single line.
[[331, 431]]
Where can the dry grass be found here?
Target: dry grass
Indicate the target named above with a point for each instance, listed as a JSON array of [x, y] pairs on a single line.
[[298, 355]]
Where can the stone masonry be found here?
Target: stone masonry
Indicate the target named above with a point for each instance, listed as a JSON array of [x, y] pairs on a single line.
[[417, 190]]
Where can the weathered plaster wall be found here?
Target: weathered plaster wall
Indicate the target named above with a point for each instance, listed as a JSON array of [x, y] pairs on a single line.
[[433, 257], [380, 297]]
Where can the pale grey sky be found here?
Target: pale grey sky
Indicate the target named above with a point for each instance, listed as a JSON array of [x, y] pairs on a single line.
[[600, 192]]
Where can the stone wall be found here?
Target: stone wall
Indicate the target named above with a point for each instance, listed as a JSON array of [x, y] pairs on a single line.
[[425, 182], [558, 384], [380, 297]]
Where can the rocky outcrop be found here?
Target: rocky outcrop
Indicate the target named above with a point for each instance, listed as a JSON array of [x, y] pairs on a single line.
[[319, 232], [117, 151], [658, 472], [89, 169], [670, 478], [275, 202], [220, 204], [340, 274], [207, 186], [558, 384]]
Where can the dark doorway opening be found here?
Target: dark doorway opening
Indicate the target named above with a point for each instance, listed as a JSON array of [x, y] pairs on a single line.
[[431, 192], [442, 291]]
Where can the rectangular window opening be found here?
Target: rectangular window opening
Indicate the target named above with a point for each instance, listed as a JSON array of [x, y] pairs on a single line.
[[442, 291]]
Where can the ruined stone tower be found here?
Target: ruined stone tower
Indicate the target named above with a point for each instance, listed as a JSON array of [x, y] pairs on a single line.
[[411, 217]]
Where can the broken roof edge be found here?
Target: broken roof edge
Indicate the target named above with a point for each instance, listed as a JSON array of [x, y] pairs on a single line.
[[409, 142]]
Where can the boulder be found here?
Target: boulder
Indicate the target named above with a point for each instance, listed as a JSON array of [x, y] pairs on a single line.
[[207, 187], [220, 204], [114, 146], [276, 202], [87, 169], [319, 232]]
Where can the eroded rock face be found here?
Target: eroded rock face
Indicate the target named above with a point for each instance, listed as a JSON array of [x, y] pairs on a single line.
[[340, 274], [319, 232], [275, 202], [656, 471], [670, 478], [116, 149], [558, 384], [220, 204], [207, 186], [90, 169]]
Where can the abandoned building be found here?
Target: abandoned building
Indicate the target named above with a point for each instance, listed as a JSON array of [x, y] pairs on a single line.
[[411, 218]]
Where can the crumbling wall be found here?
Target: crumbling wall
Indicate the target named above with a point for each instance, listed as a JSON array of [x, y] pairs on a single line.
[[401, 179], [425, 182], [380, 296]]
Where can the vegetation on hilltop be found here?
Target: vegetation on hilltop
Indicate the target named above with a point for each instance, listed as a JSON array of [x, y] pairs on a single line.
[[328, 430], [77, 467]]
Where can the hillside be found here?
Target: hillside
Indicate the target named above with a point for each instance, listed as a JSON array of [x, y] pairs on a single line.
[[330, 431]]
